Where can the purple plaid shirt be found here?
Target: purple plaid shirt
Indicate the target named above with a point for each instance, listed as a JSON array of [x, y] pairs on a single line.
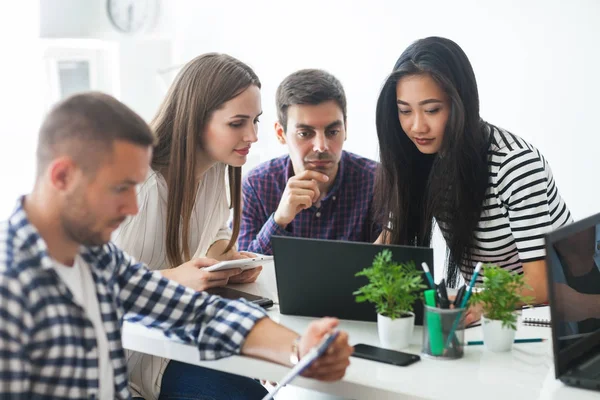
[[345, 212]]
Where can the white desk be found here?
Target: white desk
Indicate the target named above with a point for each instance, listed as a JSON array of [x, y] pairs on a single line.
[[525, 373]]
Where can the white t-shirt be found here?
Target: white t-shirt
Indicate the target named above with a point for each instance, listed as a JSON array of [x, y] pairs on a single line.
[[143, 237], [80, 282]]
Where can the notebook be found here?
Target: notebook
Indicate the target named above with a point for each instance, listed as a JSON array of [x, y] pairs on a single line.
[[536, 316], [536, 322]]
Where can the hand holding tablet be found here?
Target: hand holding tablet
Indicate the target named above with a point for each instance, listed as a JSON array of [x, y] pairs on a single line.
[[243, 264]]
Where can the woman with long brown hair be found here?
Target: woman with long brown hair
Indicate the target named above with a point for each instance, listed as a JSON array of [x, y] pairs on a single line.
[[205, 127]]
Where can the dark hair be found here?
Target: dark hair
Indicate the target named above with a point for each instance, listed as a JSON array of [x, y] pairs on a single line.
[[412, 188], [308, 86], [201, 87], [84, 126]]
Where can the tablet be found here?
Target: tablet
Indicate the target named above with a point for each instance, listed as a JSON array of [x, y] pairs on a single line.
[[244, 263]]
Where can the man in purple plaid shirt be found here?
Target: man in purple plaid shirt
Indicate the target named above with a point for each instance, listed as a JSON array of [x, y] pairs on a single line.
[[318, 190]]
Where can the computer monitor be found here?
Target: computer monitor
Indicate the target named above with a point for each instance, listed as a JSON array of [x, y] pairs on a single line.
[[573, 258]]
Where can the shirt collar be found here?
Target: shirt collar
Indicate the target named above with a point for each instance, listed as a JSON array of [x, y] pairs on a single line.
[[31, 238], [29, 235]]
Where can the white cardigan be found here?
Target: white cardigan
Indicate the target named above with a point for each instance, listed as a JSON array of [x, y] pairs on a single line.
[[143, 237]]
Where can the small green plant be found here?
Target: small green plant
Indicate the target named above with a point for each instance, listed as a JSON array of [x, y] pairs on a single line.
[[392, 287], [501, 295]]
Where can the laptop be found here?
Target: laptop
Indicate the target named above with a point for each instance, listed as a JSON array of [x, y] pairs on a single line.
[[573, 259], [316, 278]]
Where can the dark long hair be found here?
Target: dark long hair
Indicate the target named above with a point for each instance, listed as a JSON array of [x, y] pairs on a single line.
[[202, 86], [413, 188]]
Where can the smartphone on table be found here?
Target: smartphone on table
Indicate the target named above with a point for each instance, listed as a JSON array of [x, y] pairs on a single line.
[[393, 357]]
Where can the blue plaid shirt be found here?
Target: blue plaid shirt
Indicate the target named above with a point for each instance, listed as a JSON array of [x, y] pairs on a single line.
[[345, 212], [48, 345]]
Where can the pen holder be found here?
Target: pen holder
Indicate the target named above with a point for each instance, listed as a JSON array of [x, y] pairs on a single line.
[[438, 324]]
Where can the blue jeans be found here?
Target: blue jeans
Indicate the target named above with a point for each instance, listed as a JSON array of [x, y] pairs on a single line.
[[189, 382]]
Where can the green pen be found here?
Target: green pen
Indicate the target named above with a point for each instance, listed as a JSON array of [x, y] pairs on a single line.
[[434, 326]]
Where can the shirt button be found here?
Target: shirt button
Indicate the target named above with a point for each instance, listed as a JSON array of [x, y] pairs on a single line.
[[318, 214], [333, 198]]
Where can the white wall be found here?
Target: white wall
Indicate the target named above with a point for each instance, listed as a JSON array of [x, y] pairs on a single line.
[[20, 103], [22, 74], [536, 62], [140, 54]]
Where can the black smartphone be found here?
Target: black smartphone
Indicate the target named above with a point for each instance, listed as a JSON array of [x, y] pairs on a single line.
[[233, 294], [383, 355]]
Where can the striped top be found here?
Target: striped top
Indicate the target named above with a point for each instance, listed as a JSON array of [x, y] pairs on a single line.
[[521, 205]]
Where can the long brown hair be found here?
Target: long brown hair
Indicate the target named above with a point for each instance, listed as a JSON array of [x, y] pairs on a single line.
[[201, 87]]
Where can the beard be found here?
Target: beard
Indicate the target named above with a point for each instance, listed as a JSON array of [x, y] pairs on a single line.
[[78, 221]]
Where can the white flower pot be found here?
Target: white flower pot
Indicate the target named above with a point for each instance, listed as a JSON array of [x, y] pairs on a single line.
[[496, 337], [395, 334]]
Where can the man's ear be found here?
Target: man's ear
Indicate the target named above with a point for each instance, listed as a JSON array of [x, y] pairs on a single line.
[[62, 173], [280, 133], [345, 130]]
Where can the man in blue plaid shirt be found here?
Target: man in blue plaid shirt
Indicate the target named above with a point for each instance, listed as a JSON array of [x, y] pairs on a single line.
[[317, 190], [64, 289]]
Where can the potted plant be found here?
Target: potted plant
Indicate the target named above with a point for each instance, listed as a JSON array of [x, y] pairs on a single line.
[[499, 297], [393, 288]]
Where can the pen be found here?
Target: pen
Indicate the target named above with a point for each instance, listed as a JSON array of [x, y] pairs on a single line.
[[442, 295], [532, 340], [304, 363], [428, 275], [464, 301], [471, 284], [459, 295], [526, 306]]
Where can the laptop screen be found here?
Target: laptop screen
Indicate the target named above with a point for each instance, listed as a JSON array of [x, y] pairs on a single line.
[[573, 255]]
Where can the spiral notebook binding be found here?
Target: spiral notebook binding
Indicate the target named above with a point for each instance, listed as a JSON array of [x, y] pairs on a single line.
[[536, 322]]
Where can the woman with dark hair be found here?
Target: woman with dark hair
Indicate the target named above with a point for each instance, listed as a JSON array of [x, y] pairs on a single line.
[[205, 127], [491, 193]]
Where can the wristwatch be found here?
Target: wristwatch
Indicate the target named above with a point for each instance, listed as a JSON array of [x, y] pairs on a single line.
[[295, 353]]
